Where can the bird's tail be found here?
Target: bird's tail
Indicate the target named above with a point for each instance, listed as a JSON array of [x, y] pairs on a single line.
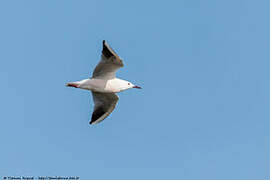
[[72, 84]]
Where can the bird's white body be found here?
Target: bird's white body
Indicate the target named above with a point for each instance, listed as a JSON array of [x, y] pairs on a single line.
[[104, 86]]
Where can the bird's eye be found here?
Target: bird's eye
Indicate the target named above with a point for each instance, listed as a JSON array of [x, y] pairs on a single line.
[[128, 83]]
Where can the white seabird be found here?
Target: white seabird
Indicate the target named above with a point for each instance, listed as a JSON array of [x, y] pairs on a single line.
[[104, 85]]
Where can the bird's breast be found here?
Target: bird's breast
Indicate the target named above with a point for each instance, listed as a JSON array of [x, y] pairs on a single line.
[[111, 86]]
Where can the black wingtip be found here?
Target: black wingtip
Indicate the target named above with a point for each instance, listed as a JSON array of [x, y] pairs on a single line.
[[106, 50], [97, 114]]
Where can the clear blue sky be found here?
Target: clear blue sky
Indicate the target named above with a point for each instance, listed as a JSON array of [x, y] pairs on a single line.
[[203, 112]]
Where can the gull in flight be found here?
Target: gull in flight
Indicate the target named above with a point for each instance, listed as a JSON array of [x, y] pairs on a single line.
[[104, 85]]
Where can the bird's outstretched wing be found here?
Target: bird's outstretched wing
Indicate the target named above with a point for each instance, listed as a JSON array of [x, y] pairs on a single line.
[[109, 63], [104, 105]]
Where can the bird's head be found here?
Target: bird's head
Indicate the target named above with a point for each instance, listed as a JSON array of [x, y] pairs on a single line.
[[128, 85]]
